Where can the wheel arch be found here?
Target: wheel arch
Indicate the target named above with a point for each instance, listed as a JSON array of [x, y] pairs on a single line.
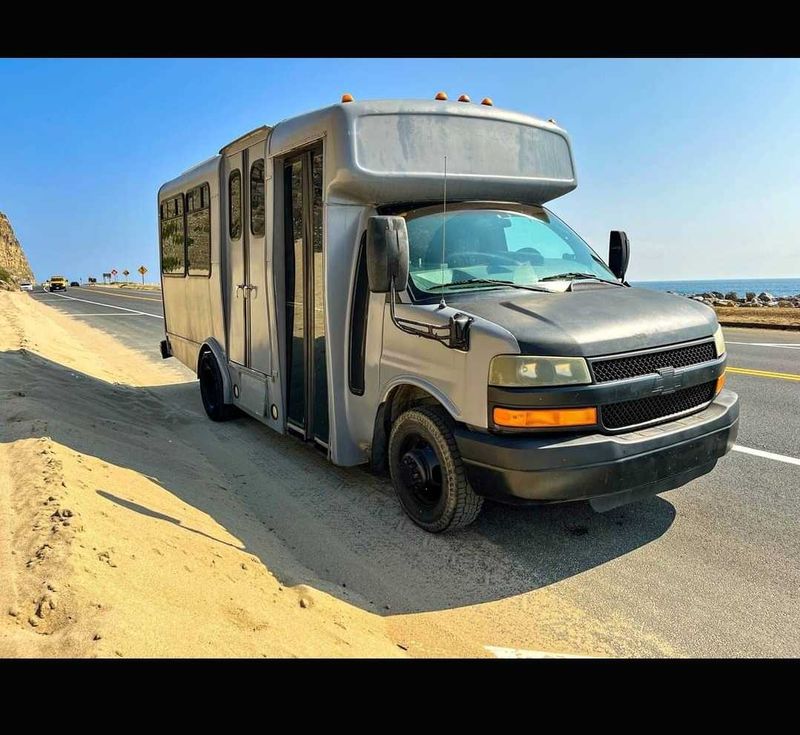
[[399, 396]]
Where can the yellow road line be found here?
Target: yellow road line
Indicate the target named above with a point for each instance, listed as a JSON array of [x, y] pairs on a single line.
[[125, 295], [763, 373]]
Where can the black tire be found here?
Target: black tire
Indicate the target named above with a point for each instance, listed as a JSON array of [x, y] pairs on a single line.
[[212, 389], [427, 471]]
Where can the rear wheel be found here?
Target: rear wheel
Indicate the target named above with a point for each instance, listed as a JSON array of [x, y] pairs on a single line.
[[427, 471], [212, 389]]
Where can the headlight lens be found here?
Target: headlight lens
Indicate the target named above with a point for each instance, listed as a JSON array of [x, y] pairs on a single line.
[[524, 371], [719, 342]]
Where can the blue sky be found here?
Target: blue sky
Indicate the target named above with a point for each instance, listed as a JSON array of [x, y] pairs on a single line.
[[698, 160]]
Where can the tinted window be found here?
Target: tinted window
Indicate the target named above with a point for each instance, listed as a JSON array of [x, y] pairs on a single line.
[[173, 255], [358, 322], [320, 369], [257, 204], [198, 231], [295, 292], [235, 205]]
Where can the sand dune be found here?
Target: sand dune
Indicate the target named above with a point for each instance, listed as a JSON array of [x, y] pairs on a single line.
[[98, 559]]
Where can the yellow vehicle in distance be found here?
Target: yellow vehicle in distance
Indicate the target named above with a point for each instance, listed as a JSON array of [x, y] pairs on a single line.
[[58, 283]]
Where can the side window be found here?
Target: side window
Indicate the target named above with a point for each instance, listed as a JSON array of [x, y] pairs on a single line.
[[257, 203], [173, 254], [358, 322], [198, 231], [235, 205]]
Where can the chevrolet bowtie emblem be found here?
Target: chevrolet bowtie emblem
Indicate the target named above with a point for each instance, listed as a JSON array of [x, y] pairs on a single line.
[[667, 381]]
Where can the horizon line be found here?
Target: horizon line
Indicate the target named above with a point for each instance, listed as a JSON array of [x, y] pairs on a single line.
[[718, 278]]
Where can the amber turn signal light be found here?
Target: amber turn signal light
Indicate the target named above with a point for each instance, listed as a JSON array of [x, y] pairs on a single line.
[[347, 97], [542, 418], [720, 384]]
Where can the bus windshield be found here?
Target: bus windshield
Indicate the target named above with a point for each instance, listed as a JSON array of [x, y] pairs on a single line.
[[485, 243]]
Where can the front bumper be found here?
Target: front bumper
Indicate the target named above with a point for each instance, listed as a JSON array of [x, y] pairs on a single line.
[[57, 287], [609, 470]]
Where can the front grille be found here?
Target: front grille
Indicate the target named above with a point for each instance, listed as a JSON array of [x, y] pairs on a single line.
[[644, 410], [650, 362]]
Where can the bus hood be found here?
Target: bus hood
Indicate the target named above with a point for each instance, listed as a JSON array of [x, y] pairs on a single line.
[[591, 321]]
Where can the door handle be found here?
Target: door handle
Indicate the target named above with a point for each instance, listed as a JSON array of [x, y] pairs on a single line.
[[245, 288]]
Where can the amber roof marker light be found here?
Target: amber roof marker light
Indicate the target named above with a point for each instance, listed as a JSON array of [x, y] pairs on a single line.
[[441, 96], [346, 97], [487, 101], [464, 98]]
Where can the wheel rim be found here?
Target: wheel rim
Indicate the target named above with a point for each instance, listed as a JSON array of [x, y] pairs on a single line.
[[420, 470]]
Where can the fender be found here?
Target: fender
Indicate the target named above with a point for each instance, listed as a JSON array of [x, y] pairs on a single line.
[[425, 385], [219, 354]]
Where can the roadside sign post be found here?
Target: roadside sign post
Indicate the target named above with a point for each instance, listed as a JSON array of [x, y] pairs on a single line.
[[142, 270], [126, 273], [114, 273]]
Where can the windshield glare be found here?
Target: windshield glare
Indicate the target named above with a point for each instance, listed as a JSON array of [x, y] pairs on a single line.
[[495, 244]]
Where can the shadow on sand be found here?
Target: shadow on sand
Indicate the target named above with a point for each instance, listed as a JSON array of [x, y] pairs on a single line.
[[338, 529]]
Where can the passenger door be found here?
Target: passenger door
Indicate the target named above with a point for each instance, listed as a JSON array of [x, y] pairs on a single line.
[[257, 306], [247, 303], [237, 258], [306, 370]]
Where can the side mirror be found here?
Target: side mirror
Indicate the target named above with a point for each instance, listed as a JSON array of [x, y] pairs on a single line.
[[618, 253], [387, 253]]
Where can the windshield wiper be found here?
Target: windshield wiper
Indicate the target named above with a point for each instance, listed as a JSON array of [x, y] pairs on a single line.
[[479, 281], [577, 276]]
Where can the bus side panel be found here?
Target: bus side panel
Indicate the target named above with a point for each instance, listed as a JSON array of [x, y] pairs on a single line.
[[193, 304], [351, 416]]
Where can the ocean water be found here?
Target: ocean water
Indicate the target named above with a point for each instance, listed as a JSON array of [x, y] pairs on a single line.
[[775, 286]]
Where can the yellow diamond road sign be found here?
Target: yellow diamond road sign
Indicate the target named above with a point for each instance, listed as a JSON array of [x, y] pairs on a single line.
[[142, 269]]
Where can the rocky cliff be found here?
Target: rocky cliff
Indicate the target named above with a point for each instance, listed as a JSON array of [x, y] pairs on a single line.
[[14, 265]]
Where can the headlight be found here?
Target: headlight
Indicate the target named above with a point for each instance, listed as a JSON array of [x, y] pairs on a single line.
[[719, 342], [524, 371]]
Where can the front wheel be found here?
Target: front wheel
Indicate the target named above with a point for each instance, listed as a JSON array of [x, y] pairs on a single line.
[[427, 471], [212, 389]]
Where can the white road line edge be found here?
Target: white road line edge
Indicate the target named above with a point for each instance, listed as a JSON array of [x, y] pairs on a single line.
[[786, 345], [97, 313], [766, 455], [500, 652], [109, 306]]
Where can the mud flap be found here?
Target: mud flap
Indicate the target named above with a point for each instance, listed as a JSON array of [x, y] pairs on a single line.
[[380, 442], [608, 502]]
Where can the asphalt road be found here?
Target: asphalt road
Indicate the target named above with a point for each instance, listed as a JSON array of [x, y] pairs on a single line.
[[135, 318], [709, 569]]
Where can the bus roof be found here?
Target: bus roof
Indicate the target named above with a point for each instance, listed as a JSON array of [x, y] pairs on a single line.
[[393, 151], [389, 151]]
